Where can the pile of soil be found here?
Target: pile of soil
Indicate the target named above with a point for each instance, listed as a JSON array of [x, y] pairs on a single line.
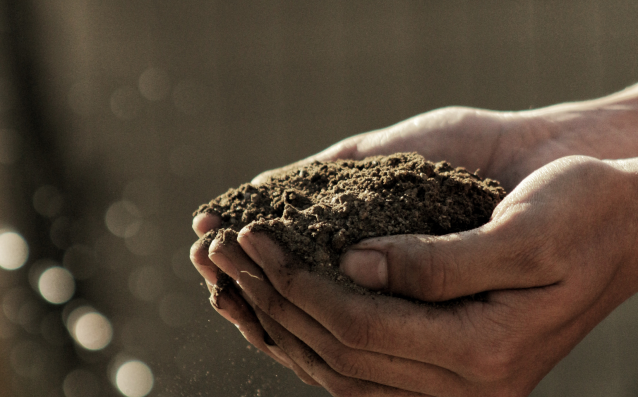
[[317, 211]]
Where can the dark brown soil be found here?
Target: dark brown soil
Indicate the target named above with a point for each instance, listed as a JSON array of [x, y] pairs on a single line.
[[317, 211]]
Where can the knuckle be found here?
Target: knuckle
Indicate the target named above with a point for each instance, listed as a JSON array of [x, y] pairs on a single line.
[[419, 269], [270, 305], [533, 251], [283, 284], [283, 281], [352, 334], [352, 329], [346, 363], [434, 274], [540, 256], [437, 278]]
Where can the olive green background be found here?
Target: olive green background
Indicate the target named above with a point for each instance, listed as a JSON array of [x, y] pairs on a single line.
[[251, 85]]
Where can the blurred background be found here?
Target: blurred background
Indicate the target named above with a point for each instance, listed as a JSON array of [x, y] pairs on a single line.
[[118, 118]]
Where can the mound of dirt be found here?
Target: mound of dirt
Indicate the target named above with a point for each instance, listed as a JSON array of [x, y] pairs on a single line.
[[317, 211]]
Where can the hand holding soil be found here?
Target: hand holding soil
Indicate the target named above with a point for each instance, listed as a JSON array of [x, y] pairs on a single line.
[[557, 256]]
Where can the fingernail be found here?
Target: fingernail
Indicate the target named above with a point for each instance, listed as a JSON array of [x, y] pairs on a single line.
[[222, 262], [196, 221], [247, 245], [368, 268], [204, 222]]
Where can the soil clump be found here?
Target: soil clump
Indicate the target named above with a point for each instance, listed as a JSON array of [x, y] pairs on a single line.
[[319, 210]]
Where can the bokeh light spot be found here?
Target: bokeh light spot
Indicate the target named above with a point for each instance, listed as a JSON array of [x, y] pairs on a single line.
[[154, 84], [90, 329], [36, 269], [56, 285], [14, 250], [72, 312], [134, 379], [123, 219]]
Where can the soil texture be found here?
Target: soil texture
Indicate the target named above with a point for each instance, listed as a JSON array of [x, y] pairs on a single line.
[[319, 210]]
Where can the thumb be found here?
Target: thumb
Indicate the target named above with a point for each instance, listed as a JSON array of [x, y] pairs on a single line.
[[440, 268]]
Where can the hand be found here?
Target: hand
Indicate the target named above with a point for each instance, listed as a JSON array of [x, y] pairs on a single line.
[[504, 145], [433, 134], [557, 257]]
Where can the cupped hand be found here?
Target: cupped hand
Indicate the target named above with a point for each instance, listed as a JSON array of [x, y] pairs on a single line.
[[556, 258], [440, 134], [504, 145]]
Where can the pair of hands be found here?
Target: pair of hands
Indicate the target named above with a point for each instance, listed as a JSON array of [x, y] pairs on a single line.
[[556, 258]]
